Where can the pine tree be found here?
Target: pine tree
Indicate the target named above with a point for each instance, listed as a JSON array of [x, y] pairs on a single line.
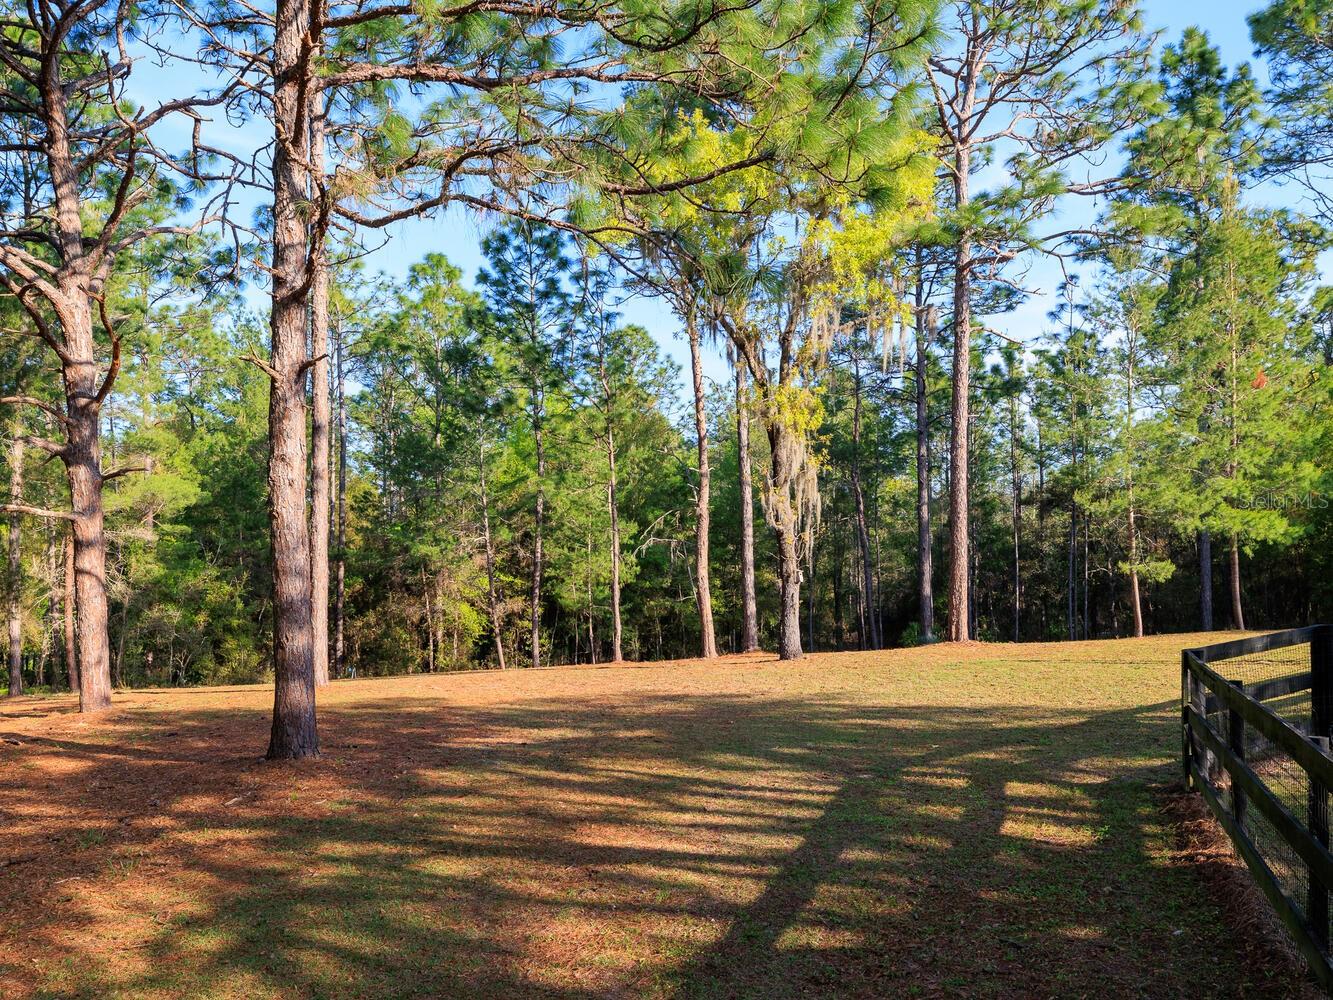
[[526, 284], [1056, 79], [1122, 317], [1295, 37], [1237, 352]]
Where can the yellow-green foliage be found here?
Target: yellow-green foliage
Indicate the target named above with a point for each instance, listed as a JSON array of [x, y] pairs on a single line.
[[853, 247]]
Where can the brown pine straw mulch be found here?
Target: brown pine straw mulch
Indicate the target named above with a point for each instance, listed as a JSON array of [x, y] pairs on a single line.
[[1261, 941]]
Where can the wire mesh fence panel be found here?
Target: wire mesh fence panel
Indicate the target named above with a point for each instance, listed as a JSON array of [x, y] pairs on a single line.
[[1257, 773]]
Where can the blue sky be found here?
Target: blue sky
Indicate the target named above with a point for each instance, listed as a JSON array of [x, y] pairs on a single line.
[[457, 233]]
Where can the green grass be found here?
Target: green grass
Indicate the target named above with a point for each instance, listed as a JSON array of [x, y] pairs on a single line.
[[978, 821]]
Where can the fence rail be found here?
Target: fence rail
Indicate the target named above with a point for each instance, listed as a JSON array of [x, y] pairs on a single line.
[[1256, 716]]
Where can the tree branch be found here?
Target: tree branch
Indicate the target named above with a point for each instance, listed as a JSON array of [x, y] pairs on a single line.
[[40, 404], [114, 369], [20, 508], [260, 363]]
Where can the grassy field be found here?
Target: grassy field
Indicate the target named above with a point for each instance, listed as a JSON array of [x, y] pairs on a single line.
[[974, 821]]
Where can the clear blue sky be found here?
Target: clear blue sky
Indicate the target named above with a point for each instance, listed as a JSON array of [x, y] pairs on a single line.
[[457, 233]]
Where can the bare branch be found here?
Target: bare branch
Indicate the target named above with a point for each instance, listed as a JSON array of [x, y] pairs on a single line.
[[122, 471], [263, 365], [21, 508]]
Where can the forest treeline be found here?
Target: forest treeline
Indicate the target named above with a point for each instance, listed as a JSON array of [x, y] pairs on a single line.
[[381, 473]]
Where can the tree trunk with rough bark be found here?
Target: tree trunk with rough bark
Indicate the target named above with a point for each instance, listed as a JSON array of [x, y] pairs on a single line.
[[14, 606], [320, 419], [813, 563], [294, 733], [1206, 579], [76, 283], [340, 582], [870, 638], [1135, 591], [539, 520], [53, 598], [782, 517], [925, 332], [83, 461], [1135, 597], [1237, 610], [702, 591], [492, 591], [1071, 565], [960, 411], [68, 606], [749, 605], [613, 506], [1016, 513]]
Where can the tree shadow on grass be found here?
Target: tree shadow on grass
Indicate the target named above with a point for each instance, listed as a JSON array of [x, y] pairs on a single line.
[[650, 845]]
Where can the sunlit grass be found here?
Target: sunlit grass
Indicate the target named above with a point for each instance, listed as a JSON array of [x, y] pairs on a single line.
[[952, 821]]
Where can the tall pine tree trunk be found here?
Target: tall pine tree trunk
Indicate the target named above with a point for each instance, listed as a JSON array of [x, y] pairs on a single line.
[[1071, 584], [782, 516], [539, 523], [53, 598], [68, 604], [294, 733], [1017, 516], [925, 588], [1237, 611], [1206, 579], [1135, 597], [1041, 516], [492, 591], [702, 590], [83, 461], [870, 635], [1135, 594], [340, 582], [839, 623], [592, 630], [320, 416], [85, 390], [613, 507], [14, 606], [960, 411], [749, 606], [813, 562]]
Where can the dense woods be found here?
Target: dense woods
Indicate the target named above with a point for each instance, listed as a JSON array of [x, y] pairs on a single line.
[[251, 433]]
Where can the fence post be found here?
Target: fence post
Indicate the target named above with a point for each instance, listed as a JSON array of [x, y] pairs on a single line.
[[1204, 759], [1316, 908], [1320, 704], [1321, 674], [1236, 742], [1186, 736]]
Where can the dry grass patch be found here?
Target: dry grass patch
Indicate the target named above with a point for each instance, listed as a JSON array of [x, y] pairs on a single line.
[[974, 820]]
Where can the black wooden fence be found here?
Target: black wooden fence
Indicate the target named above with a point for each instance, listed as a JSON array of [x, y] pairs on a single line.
[[1256, 717]]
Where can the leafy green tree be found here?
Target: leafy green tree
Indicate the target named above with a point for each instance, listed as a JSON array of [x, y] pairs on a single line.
[[1295, 37], [83, 182], [619, 373], [1238, 351], [1049, 80], [526, 285], [1123, 317], [1227, 266]]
